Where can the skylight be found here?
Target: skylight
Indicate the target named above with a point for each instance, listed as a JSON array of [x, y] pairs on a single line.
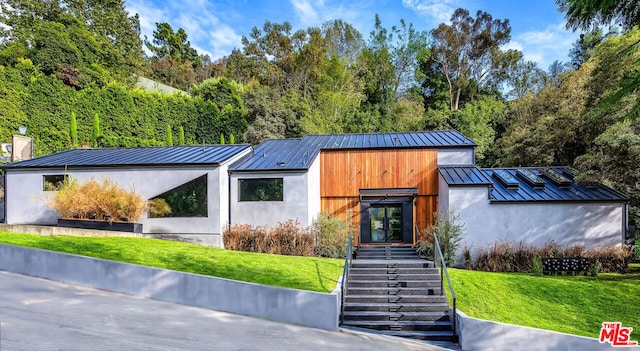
[[504, 177], [531, 178], [556, 178]]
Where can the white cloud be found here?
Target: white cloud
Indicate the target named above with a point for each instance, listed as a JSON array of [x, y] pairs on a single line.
[[440, 10], [305, 12], [546, 45], [314, 13]]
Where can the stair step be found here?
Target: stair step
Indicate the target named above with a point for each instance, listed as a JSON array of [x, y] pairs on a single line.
[[396, 299], [435, 335], [353, 276], [393, 283], [383, 271], [397, 307], [394, 316], [402, 325], [391, 264], [390, 291]]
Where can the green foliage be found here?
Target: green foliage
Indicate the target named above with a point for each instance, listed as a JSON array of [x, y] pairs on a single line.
[[586, 14], [536, 267], [169, 136], [222, 139], [221, 91], [95, 136], [73, 127], [307, 273], [333, 235], [449, 232], [127, 118], [232, 139]]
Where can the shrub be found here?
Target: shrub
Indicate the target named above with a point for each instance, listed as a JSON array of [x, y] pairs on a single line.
[[504, 256], [449, 233], [332, 235], [91, 200], [288, 238]]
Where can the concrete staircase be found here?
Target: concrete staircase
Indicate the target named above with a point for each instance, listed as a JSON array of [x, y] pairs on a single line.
[[391, 291]]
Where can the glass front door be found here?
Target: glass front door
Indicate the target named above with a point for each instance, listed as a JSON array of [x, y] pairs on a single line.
[[386, 223]]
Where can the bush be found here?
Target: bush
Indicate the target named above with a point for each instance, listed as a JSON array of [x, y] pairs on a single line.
[[449, 233], [91, 200], [288, 238], [332, 235], [503, 256]]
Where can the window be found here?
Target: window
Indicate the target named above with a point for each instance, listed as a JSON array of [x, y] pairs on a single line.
[[186, 200], [53, 182], [260, 189]]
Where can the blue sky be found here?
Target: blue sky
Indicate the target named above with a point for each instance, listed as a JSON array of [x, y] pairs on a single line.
[[217, 26]]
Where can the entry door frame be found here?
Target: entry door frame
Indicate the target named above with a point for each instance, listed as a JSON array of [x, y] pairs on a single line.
[[407, 215]]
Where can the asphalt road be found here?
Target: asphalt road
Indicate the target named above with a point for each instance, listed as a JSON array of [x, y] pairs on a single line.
[[38, 314]]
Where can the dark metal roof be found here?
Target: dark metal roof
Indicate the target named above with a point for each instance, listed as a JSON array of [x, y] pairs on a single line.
[[148, 156], [469, 176], [298, 154]]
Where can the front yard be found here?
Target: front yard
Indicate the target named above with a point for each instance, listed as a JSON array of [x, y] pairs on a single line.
[[306, 273], [570, 304]]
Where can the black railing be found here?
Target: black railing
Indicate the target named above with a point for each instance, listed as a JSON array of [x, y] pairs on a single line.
[[437, 253], [345, 276]]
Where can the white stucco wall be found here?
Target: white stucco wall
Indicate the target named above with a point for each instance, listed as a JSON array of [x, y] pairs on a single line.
[[590, 224], [443, 196], [26, 200], [313, 195], [456, 157], [295, 205]]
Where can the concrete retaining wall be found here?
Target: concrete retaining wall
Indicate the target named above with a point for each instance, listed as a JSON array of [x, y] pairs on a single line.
[[477, 334], [312, 309]]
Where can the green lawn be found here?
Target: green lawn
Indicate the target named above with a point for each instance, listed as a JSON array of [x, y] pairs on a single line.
[[307, 273], [570, 304]]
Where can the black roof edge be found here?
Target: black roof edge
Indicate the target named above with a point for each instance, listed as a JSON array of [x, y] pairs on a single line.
[[141, 165], [560, 201], [270, 170]]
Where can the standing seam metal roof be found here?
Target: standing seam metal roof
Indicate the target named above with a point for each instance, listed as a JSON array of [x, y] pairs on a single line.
[[148, 156], [470, 176], [299, 153]]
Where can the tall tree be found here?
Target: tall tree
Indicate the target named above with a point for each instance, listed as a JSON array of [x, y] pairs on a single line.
[[169, 138], [585, 14], [582, 49], [73, 126], [181, 136], [524, 78], [95, 135], [172, 46], [467, 52]]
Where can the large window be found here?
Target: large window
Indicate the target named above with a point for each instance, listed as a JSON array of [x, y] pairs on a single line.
[[260, 189], [53, 182], [186, 200]]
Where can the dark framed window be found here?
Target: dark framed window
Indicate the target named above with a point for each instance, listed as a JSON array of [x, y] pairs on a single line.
[[186, 200], [260, 189], [53, 182]]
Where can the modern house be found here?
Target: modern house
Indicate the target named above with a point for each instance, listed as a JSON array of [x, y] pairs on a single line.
[[385, 184]]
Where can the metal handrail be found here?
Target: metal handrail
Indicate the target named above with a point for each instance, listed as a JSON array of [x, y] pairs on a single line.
[[345, 274], [443, 268]]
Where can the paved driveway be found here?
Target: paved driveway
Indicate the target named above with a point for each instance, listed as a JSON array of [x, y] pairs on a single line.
[[38, 314]]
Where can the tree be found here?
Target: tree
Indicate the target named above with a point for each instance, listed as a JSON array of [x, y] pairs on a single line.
[[220, 90], [172, 46], [467, 52], [73, 128], [95, 136], [181, 136], [524, 78], [169, 136], [232, 139], [222, 139], [584, 46], [585, 14]]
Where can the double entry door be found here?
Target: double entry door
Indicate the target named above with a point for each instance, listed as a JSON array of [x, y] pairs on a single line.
[[386, 223], [386, 220]]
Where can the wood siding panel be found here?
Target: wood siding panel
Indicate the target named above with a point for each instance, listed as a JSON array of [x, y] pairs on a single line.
[[344, 172]]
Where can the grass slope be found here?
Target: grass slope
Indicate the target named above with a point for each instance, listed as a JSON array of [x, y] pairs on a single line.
[[307, 273], [570, 304]]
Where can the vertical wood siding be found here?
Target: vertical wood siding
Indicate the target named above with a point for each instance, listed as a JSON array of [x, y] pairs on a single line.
[[344, 172]]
